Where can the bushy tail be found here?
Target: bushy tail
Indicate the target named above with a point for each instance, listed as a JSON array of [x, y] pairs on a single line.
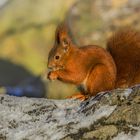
[[124, 46]]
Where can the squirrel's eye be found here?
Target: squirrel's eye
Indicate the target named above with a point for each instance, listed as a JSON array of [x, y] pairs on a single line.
[[57, 57]]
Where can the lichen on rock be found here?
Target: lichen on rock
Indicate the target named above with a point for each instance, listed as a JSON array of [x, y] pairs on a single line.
[[109, 115]]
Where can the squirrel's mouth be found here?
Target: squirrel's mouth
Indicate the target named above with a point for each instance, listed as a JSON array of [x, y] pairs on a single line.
[[55, 68]]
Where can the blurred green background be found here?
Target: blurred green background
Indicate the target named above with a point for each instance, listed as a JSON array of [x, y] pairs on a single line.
[[27, 30]]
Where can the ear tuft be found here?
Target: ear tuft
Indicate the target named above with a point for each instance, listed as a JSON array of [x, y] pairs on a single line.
[[63, 34], [62, 28]]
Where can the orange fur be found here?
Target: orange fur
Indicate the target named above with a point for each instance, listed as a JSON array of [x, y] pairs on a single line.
[[92, 68], [124, 46]]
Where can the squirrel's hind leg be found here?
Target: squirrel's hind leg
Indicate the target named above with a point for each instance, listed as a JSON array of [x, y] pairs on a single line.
[[100, 79]]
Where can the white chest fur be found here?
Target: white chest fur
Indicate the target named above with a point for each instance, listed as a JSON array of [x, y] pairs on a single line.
[[83, 86]]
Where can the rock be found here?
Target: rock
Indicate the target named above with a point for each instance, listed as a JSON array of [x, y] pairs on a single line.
[[102, 132], [110, 115]]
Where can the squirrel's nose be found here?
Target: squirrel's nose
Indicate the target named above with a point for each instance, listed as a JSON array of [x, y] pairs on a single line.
[[50, 66]]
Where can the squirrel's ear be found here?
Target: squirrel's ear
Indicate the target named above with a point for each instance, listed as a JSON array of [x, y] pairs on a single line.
[[63, 35], [65, 44]]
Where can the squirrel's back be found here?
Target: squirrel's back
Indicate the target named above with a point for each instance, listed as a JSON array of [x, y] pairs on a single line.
[[124, 46]]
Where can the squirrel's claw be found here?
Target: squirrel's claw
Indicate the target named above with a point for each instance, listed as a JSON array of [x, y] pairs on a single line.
[[78, 96], [52, 75]]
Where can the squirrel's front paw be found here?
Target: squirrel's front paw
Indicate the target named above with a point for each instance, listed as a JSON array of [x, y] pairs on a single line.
[[52, 75]]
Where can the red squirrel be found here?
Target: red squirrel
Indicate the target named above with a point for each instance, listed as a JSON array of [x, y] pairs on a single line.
[[92, 68]]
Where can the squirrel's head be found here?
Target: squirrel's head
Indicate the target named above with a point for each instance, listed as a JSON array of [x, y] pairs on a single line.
[[61, 50]]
